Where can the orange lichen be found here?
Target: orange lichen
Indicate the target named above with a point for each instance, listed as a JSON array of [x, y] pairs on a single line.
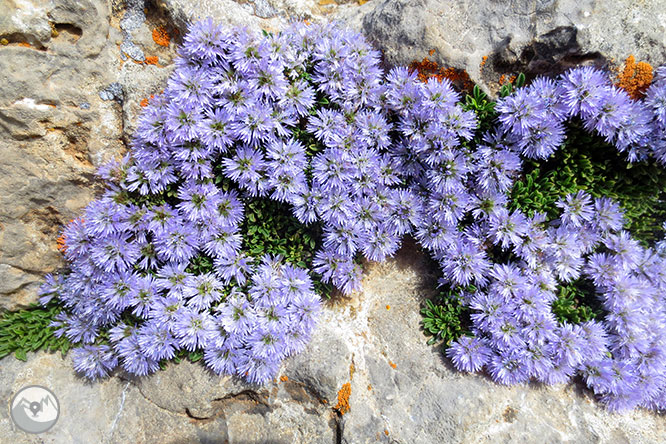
[[61, 241], [484, 59], [161, 36], [284, 378], [431, 52], [386, 432], [62, 247], [152, 60], [145, 101], [343, 398], [369, 387], [362, 2], [388, 307], [427, 69], [352, 369], [392, 365], [501, 80], [635, 77], [24, 44]]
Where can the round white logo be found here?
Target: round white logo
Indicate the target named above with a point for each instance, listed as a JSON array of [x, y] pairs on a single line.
[[35, 409]]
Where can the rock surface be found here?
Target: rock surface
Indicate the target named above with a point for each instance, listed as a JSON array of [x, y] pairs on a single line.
[[536, 37], [402, 390], [59, 122], [73, 76]]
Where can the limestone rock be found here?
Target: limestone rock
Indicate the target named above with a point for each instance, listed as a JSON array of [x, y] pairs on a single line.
[[57, 63], [536, 37]]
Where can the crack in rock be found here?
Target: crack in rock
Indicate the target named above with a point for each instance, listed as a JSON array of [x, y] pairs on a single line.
[[123, 395]]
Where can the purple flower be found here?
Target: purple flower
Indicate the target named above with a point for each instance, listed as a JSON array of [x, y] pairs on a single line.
[[202, 291], [193, 329], [94, 361], [177, 243], [576, 208], [520, 111], [156, 341], [133, 359], [465, 263], [205, 40], [509, 368], [468, 354], [237, 315], [583, 91]]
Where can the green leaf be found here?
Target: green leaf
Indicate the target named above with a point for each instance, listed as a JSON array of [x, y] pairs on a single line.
[[520, 80], [21, 355]]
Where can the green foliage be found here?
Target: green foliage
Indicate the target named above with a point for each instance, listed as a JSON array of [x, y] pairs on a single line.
[[445, 318], [586, 162], [484, 108], [28, 330], [270, 227], [576, 302], [200, 264], [508, 88]]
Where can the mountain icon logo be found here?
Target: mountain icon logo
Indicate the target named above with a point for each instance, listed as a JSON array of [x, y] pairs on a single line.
[[35, 409]]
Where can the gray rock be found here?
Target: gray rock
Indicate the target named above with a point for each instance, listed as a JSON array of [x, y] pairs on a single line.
[[112, 92], [61, 62], [536, 37], [264, 9]]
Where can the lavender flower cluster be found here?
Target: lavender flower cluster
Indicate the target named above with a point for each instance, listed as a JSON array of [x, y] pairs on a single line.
[[307, 117], [517, 263]]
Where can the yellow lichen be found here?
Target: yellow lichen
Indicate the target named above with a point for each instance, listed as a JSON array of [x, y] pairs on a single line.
[[61, 244], [152, 60]]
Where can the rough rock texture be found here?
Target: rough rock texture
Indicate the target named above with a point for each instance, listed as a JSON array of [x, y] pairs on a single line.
[[57, 62], [73, 75], [402, 390], [533, 36]]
